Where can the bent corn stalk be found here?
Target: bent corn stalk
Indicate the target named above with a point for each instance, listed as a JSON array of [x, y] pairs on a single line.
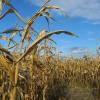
[[42, 38]]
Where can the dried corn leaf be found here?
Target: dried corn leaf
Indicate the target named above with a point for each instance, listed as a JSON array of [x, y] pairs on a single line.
[[52, 7], [3, 37], [12, 30], [6, 67], [52, 40], [31, 20], [0, 5], [42, 38], [13, 46], [14, 10], [19, 16], [6, 13], [7, 3], [5, 51]]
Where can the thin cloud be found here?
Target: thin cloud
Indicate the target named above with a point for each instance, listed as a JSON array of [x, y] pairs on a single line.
[[78, 50], [91, 39]]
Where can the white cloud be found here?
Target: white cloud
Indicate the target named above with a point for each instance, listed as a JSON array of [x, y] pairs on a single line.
[[77, 50], [88, 9], [91, 39]]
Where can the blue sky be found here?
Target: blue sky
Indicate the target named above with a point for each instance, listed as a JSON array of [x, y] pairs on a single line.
[[83, 19]]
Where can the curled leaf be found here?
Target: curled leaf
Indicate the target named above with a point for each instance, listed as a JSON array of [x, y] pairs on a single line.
[[31, 20], [42, 38], [6, 13]]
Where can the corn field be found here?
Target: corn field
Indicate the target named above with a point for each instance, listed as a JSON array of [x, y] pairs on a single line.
[[31, 69]]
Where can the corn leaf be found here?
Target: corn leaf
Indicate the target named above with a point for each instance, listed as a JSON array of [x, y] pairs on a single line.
[[42, 38], [6, 52], [6, 13], [31, 20], [0, 5], [19, 16], [13, 46], [3, 37], [11, 39], [7, 3], [52, 7], [52, 40], [12, 30], [6, 67], [14, 10]]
